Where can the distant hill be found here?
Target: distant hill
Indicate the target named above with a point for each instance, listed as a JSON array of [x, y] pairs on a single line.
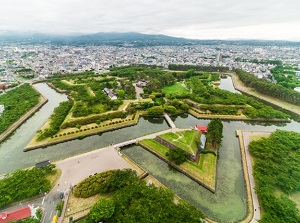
[[128, 39]]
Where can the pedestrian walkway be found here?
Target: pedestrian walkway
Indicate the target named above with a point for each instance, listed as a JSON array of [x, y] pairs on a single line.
[[169, 120], [246, 140]]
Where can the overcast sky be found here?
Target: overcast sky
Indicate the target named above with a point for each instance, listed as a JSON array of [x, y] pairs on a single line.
[[197, 19]]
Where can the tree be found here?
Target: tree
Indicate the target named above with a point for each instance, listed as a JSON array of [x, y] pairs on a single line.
[[121, 94], [177, 155], [102, 210]]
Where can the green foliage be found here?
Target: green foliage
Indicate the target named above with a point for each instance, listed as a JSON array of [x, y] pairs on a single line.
[[215, 132], [197, 68], [91, 185], [23, 184], [137, 202], [118, 180], [57, 119], [102, 210], [177, 155], [170, 109], [265, 87], [156, 110], [277, 166], [39, 213], [59, 207], [108, 181], [29, 220], [17, 102], [93, 119], [206, 94], [274, 62], [285, 76]]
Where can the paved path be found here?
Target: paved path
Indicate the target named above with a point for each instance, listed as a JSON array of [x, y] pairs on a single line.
[[169, 120], [246, 139], [77, 168]]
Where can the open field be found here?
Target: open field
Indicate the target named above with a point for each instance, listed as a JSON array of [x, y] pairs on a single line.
[[186, 140], [205, 172], [176, 88]]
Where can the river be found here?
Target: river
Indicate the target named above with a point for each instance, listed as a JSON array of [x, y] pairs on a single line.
[[228, 204]]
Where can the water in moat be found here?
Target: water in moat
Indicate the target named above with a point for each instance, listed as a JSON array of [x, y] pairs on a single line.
[[226, 84], [11, 150], [228, 204]]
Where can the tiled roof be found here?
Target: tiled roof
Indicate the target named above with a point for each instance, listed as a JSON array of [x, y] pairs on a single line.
[[15, 215]]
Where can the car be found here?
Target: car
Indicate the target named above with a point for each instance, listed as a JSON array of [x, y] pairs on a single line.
[[61, 195]]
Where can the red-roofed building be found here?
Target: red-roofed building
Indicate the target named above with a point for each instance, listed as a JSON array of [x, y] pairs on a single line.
[[201, 128], [19, 214]]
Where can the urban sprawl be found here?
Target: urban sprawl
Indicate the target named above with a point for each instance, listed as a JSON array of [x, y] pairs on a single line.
[[42, 61]]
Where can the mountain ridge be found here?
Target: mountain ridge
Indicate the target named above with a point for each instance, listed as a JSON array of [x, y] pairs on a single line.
[[133, 39]]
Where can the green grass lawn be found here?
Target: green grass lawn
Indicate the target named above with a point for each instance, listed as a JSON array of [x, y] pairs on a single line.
[[184, 140], [175, 89], [205, 171], [155, 146]]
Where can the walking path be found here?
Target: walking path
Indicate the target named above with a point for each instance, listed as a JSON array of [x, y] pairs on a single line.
[[169, 120], [77, 168], [240, 86], [247, 163]]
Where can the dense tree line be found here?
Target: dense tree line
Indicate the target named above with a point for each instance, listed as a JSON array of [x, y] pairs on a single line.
[[184, 67], [215, 132], [206, 94], [268, 88], [56, 119], [276, 167], [133, 201], [274, 62], [16, 103], [23, 184], [93, 119]]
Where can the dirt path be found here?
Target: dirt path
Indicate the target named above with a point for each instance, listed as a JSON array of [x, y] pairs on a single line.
[[239, 85], [254, 213]]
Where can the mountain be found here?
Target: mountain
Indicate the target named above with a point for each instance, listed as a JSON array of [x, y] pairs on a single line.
[[128, 39], [118, 39]]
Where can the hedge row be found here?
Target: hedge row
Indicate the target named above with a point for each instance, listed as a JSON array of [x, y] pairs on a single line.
[[94, 119], [91, 185]]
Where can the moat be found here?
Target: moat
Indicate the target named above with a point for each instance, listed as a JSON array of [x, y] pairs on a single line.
[[228, 204]]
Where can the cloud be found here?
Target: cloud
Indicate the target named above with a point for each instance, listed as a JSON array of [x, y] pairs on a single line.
[[189, 18]]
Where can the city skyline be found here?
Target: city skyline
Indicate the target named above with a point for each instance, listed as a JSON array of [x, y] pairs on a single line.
[[192, 19]]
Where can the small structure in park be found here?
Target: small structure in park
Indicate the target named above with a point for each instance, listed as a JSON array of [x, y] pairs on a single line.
[[203, 142], [19, 214], [110, 94], [42, 164], [201, 128]]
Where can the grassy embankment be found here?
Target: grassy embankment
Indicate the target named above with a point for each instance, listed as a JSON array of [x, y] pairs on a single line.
[[85, 130], [176, 88], [204, 170], [240, 86]]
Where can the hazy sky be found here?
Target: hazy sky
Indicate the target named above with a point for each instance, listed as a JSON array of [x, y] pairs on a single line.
[[198, 19]]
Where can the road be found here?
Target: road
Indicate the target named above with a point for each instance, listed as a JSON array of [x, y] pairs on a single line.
[[247, 139], [77, 168]]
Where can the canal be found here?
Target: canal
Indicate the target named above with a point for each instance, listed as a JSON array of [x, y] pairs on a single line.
[[228, 204]]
